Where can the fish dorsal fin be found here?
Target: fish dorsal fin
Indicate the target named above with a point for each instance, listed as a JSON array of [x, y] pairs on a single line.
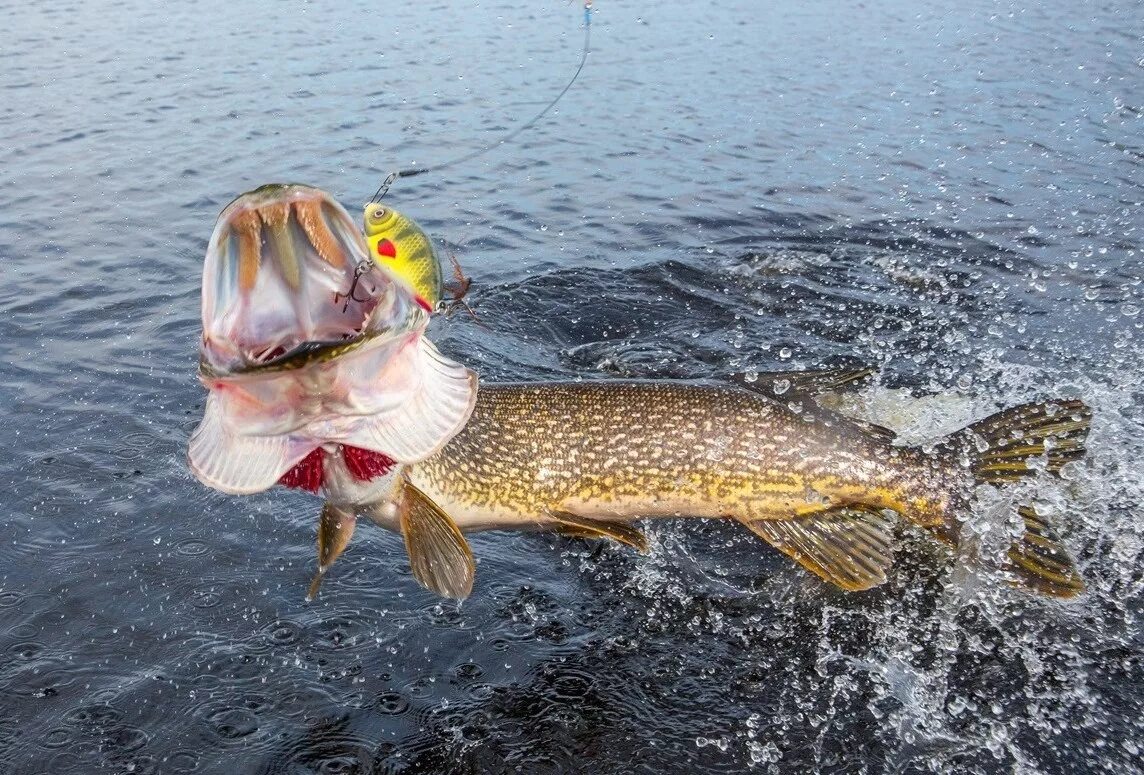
[[1001, 446], [438, 554], [832, 418], [222, 457], [881, 431], [780, 384], [585, 527], [438, 395], [849, 547], [335, 529]]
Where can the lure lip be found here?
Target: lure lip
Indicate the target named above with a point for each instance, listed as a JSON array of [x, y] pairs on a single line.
[[288, 282]]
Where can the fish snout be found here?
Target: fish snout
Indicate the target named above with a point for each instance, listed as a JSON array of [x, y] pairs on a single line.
[[287, 266]]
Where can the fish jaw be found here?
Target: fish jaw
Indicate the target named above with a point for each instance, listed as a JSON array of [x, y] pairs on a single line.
[[396, 396], [286, 276], [286, 266]]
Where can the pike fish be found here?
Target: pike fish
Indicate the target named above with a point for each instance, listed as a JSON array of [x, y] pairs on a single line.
[[591, 459]]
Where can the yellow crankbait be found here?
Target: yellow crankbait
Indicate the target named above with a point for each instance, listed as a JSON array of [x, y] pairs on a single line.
[[399, 244], [405, 249]]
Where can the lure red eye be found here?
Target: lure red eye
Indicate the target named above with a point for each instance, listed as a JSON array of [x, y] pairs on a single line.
[[386, 248]]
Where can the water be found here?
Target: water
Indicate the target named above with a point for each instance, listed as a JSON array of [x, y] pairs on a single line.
[[950, 191]]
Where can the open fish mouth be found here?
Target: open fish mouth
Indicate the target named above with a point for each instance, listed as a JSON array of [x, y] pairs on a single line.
[[288, 278], [308, 343]]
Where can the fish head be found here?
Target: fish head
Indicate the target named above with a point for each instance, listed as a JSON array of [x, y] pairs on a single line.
[[287, 271], [400, 245], [307, 342]]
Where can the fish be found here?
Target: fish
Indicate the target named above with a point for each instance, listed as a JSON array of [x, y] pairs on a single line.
[[321, 379], [308, 343], [403, 247], [589, 459]]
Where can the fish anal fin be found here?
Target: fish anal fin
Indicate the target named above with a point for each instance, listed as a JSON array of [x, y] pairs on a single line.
[[851, 547], [438, 553], [335, 529], [1039, 560], [587, 527]]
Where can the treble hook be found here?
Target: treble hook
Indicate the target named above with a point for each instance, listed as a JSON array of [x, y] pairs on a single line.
[[459, 287], [363, 266]]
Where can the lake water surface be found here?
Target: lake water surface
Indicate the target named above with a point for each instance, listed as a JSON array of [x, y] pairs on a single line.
[[952, 192]]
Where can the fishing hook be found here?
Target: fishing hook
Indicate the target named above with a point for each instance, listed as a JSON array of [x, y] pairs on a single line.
[[363, 266]]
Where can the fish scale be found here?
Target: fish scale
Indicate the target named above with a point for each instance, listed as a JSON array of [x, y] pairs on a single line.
[[637, 450]]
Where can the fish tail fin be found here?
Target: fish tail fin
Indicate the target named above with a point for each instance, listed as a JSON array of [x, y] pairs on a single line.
[[1039, 561], [1017, 443], [1021, 441]]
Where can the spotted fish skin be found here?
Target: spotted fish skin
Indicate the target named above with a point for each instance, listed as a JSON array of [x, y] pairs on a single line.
[[629, 450], [586, 459]]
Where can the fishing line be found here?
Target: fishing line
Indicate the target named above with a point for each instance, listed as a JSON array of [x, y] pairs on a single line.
[[392, 177]]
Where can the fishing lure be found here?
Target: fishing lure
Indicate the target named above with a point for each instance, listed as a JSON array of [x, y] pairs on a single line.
[[403, 247]]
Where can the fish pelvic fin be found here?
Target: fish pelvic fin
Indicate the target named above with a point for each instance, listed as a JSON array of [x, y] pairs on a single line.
[[585, 527], [1006, 446], [335, 529], [438, 553], [851, 547]]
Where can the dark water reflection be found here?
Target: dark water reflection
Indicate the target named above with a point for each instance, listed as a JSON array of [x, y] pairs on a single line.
[[952, 192]]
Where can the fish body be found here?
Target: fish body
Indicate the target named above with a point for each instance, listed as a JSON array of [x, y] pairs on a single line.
[[589, 458], [633, 450]]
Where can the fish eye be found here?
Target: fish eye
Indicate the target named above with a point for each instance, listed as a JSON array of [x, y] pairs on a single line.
[[380, 214]]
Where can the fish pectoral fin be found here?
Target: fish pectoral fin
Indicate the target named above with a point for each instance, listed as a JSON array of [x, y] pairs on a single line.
[[569, 531], [851, 547], [585, 527], [438, 553], [335, 529]]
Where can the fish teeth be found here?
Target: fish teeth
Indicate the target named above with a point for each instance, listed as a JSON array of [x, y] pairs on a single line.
[[309, 214], [275, 216], [248, 226]]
